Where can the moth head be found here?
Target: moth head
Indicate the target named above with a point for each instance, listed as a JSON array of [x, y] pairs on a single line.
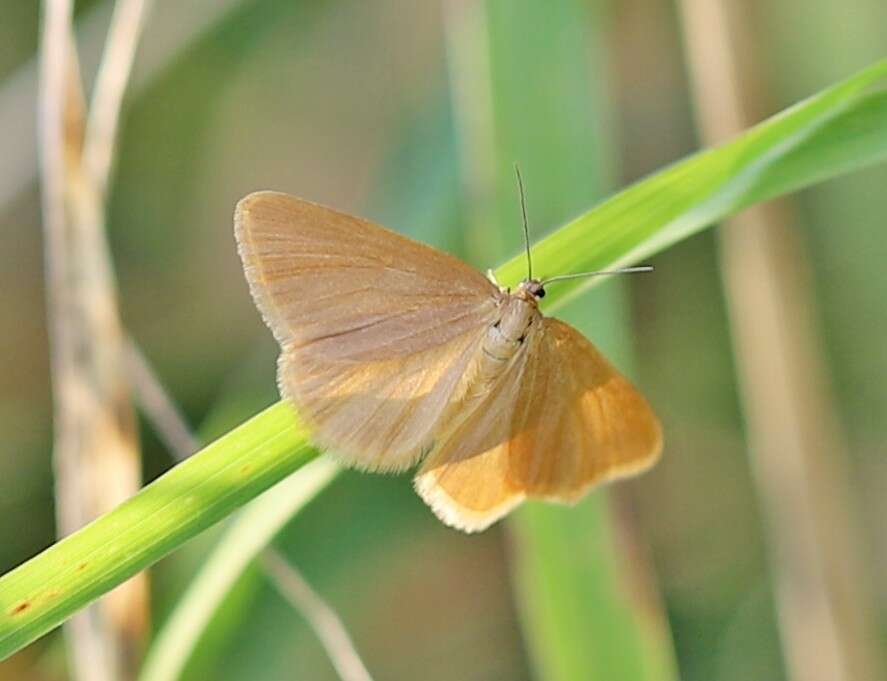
[[534, 287]]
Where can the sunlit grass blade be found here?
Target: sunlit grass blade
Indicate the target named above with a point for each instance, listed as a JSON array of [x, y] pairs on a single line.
[[251, 532], [46, 590], [851, 140], [642, 220], [809, 142]]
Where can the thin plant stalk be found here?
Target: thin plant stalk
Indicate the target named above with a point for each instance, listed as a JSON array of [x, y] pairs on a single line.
[[322, 618], [797, 451], [157, 405], [172, 31], [127, 24], [96, 451], [86, 643]]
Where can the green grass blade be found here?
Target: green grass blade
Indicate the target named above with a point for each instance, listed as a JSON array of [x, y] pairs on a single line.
[[584, 614], [786, 152], [43, 592], [642, 220], [251, 532], [850, 140], [581, 619]]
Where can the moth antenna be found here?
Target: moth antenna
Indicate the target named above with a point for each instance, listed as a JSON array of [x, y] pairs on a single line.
[[523, 210], [578, 275]]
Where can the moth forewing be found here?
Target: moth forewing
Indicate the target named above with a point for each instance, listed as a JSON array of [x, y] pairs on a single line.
[[375, 328]]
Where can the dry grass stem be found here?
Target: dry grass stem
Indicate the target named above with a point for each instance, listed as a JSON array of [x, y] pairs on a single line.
[[96, 451], [104, 111], [797, 453], [173, 31], [85, 642], [322, 618], [155, 402]]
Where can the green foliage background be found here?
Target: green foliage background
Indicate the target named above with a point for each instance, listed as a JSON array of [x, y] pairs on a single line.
[[348, 103]]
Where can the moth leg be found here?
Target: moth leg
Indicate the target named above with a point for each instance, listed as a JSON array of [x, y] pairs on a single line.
[[492, 277], [426, 449]]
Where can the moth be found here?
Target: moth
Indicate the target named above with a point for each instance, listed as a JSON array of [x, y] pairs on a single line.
[[394, 353]]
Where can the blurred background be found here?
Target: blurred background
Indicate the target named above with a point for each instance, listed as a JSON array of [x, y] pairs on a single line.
[[370, 107]]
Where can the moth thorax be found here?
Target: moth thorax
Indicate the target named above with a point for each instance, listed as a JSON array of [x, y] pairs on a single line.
[[517, 314]]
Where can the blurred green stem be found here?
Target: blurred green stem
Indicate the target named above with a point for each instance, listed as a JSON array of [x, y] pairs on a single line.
[[581, 618]]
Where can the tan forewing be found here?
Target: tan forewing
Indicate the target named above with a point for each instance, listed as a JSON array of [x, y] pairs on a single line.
[[561, 420], [378, 415], [375, 327]]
